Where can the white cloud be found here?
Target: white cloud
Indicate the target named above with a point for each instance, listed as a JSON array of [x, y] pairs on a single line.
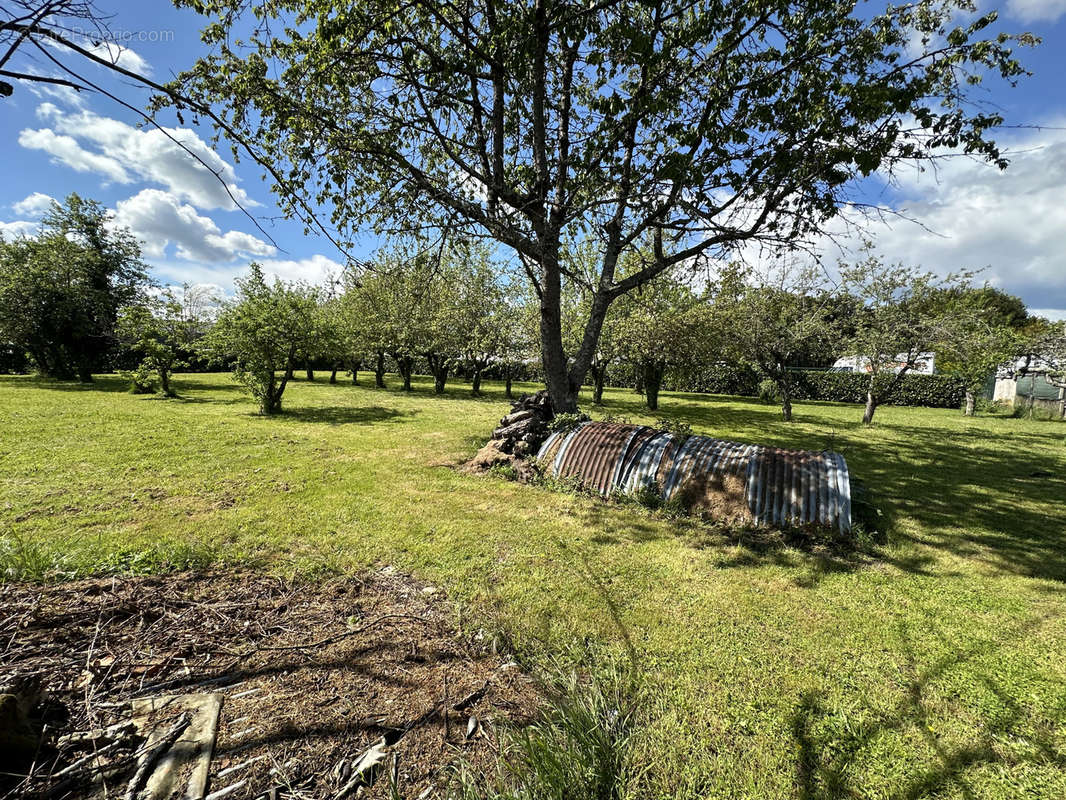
[[89, 142], [12, 230], [66, 150], [969, 215], [1029, 11], [109, 51], [33, 205], [125, 57], [159, 219], [64, 94], [315, 269]]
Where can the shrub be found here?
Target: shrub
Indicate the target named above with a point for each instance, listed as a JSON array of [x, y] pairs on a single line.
[[768, 392], [735, 379], [564, 423], [681, 430], [142, 379], [934, 391]]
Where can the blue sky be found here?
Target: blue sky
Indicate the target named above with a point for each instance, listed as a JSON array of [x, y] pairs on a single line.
[[56, 142]]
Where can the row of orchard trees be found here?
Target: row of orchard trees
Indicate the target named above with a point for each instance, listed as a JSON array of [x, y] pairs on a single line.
[[889, 315], [76, 298]]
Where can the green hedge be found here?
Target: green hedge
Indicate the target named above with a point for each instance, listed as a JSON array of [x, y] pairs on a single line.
[[934, 391], [735, 379]]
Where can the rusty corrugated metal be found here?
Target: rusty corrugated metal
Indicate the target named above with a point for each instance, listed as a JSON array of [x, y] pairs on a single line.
[[781, 487], [564, 445], [594, 454]]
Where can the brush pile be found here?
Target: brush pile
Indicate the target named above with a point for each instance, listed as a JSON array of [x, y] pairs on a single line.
[[241, 686]]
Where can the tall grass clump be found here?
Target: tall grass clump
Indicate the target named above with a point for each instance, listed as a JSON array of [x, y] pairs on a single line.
[[579, 748]]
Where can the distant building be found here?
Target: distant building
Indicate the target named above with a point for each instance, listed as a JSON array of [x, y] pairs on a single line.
[[925, 364], [1027, 384]]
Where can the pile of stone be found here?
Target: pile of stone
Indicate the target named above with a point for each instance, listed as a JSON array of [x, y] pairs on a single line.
[[519, 435]]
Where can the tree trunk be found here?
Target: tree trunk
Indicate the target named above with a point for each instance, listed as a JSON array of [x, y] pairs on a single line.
[[871, 407], [586, 354], [289, 370], [272, 402], [507, 385], [440, 378], [786, 402], [553, 356], [356, 366], [85, 374], [406, 366], [379, 371], [475, 382], [310, 371], [599, 378], [333, 374], [164, 382], [970, 408], [638, 381], [438, 368], [653, 380]]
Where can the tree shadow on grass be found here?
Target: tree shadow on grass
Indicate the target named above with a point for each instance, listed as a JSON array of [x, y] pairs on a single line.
[[345, 415], [990, 496], [832, 745], [733, 547], [992, 501], [100, 383]]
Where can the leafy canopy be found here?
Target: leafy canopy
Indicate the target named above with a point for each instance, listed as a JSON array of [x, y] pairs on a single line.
[[61, 291], [263, 331], [701, 125]]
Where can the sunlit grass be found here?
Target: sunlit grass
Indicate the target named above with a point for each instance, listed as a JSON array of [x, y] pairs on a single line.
[[932, 665]]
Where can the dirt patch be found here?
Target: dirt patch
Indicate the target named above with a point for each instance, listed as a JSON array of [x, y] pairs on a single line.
[[312, 677], [722, 497]]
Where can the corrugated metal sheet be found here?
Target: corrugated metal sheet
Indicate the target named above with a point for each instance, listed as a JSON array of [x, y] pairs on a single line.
[[781, 487], [593, 454], [641, 469]]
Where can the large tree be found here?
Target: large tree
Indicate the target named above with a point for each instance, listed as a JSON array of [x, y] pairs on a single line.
[[700, 125], [775, 321], [983, 332], [901, 319], [61, 291]]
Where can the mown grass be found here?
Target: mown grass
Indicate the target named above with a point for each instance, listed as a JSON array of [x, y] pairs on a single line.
[[932, 665]]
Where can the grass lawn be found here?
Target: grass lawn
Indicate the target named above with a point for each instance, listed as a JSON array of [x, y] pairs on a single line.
[[930, 666]]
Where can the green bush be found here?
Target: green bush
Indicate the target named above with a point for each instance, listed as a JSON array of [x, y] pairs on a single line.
[[735, 379], [768, 392], [142, 379], [565, 423], [933, 391]]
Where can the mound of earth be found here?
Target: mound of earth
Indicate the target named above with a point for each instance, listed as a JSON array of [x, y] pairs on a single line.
[[342, 688]]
